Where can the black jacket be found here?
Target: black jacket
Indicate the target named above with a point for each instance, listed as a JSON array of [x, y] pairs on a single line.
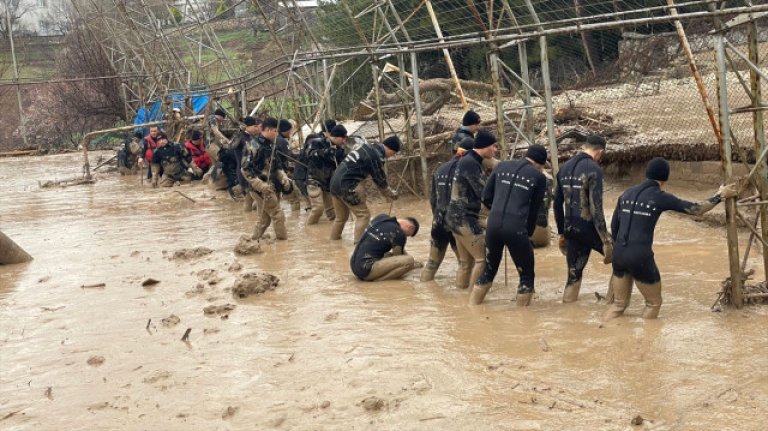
[[440, 196], [459, 136], [579, 198], [514, 193], [365, 160], [256, 162], [466, 191], [382, 235], [169, 154], [322, 159]]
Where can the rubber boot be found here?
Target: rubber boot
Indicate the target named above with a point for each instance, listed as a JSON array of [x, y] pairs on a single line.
[[478, 293], [571, 292], [524, 295], [622, 292], [652, 294], [336, 229], [281, 233], [523, 299], [463, 274]]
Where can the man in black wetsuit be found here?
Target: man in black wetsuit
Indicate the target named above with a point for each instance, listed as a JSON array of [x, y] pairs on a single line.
[[463, 214], [346, 192], [439, 198], [232, 156], [514, 192], [579, 213], [322, 156], [634, 221], [380, 253], [300, 172], [469, 125]]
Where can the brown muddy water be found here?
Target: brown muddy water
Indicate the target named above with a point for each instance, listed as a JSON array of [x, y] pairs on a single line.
[[311, 354]]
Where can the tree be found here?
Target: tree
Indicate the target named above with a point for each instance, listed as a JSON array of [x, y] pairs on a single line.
[[15, 9]]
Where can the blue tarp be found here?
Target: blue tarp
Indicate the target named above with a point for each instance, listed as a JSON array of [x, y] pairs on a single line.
[[199, 101]]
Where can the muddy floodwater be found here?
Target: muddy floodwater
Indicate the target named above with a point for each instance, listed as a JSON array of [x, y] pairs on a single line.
[[323, 351]]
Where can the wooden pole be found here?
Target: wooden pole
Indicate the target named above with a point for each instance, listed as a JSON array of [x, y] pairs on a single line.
[[10, 252], [585, 39], [16, 77], [447, 55], [727, 168], [759, 128], [419, 124]]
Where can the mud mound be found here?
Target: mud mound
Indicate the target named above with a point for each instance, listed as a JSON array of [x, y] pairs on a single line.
[[254, 283], [190, 253], [171, 320], [221, 310], [247, 246]]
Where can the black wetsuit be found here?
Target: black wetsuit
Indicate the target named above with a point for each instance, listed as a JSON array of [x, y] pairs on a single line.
[[460, 135], [514, 193], [382, 235], [256, 160], [301, 171], [230, 161], [323, 158], [439, 198], [365, 160], [634, 221], [579, 211], [468, 182], [542, 218]]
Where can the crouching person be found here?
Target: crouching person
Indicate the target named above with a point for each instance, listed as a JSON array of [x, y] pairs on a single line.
[[380, 253], [170, 159]]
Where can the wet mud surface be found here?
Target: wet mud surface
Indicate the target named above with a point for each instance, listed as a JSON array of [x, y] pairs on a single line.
[[324, 351]]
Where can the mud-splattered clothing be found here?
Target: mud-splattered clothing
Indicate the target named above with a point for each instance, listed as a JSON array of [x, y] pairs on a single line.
[[172, 158], [128, 155], [461, 133], [440, 236], [301, 171], [323, 158], [542, 217], [466, 191], [633, 224], [382, 235], [579, 212], [514, 192], [363, 161], [260, 165]]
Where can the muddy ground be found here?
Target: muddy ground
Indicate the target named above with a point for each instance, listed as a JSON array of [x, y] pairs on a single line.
[[324, 351]]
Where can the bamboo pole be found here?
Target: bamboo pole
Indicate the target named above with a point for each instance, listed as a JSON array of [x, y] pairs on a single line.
[[447, 55], [419, 124], [10, 252], [759, 131], [727, 169]]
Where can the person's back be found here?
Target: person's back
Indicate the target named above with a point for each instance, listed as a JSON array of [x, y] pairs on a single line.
[[365, 160], [440, 196], [580, 183], [516, 189], [466, 188], [380, 252]]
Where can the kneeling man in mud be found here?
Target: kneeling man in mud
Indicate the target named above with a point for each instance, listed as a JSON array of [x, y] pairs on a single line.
[[634, 221], [380, 253]]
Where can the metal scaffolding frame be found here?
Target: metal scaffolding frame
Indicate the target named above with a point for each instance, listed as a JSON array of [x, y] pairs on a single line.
[[145, 55]]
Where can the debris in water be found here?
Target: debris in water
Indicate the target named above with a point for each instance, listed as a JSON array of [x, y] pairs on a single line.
[[325, 404], [229, 412], [235, 266], [49, 393], [170, 321], [247, 246], [637, 420], [185, 337], [94, 286], [254, 283], [95, 361], [191, 253], [149, 282], [218, 309], [373, 404]]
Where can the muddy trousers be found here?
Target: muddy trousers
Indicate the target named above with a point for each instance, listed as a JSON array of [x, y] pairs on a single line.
[[471, 248], [269, 211], [579, 247], [342, 209], [391, 268], [320, 201], [440, 239], [635, 264], [293, 198], [520, 249]]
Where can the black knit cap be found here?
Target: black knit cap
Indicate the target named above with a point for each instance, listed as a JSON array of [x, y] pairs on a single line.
[[467, 144], [329, 125], [284, 126], [393, 143], [596, 141], [484, 139], [339, 131], [195, 135], [220, 112], [250, 121], [160, 136], [537, 153], [470, 118], [657, 169]]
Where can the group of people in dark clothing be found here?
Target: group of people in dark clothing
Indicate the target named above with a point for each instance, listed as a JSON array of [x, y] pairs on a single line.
[[480, 205], [515, 194]]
